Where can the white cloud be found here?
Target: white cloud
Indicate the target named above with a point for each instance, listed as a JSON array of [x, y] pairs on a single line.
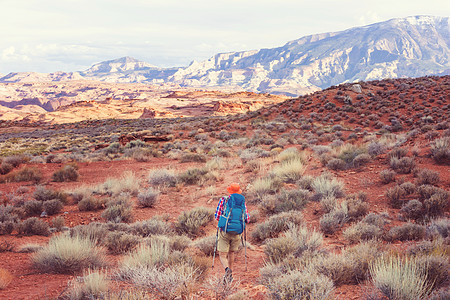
[[10, 55]]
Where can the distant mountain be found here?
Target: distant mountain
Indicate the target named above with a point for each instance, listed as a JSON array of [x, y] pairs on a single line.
[[406, 47]]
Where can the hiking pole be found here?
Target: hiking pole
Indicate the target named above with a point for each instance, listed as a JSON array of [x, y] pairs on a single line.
[[215, 246], [245, 247]]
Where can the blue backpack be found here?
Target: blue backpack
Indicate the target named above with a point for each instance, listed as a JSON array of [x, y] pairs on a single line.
[[232, 220]]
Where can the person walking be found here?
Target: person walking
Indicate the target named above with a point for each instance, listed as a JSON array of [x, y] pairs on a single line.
[[232, 214]]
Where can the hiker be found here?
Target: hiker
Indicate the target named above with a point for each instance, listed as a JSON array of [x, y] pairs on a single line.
[[232, 215]]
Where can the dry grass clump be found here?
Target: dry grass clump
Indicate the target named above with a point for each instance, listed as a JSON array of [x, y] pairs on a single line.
[[395, 196], [120, 242], [68, 255], [162, 177], [426, 176], [399, 278], [206, 244], [295, 241], [52, 207], [193, 176], [91, 203], [5, 278], [404, 165], [152, 226], [119, 209], [289, 170], [304, 284], [25, 174], [387, 176], [439, 228], [264, 186], [325, 186], [335, 219], [190, 222], [440, 150], [362, 231], [276, 224], [93, 285], [127, 183]]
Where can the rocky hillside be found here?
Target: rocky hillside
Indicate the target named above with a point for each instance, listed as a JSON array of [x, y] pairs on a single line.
[[406, 47]]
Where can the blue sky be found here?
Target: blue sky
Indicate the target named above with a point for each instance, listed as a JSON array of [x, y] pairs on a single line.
[[71, 35]]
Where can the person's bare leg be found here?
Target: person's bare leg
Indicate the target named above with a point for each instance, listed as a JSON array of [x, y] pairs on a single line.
[[230, 259], [223, 257]]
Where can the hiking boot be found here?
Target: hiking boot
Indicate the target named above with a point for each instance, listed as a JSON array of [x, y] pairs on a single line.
[[228, 277]]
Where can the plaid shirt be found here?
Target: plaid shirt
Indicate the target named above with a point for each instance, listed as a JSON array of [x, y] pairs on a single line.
[[219, 210]]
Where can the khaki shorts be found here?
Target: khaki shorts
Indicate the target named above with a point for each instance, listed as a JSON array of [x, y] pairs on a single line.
[[228, 242]]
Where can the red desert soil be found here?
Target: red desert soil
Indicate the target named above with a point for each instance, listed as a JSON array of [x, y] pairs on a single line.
[[29, 284]]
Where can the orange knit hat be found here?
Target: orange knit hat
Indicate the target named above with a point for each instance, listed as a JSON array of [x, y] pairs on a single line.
[[234, 188]]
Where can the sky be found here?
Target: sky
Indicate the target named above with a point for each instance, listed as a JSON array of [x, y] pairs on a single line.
[[72, 35]]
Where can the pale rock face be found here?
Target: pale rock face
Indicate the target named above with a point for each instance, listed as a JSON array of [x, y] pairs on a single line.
[[407, 47]]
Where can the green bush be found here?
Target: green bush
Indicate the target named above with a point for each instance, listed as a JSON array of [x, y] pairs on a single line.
[[189, 222], [68, 255], [276, 224], [34, 226], [66, 174]]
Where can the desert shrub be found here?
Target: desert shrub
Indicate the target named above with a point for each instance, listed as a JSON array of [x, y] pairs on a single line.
[[155, 254], [329, 204], [440, 150], [93, 285], [398, 278], [179, 242], [439, 227], [362, 231], [16, 160], [408, 187], [58, 223], [206, 244], [5, 168], [395, 196], [193, 157], [162, 177], [193, 176], [436, 267], [324, 186], [336, 164], [120, 242], [403, 165], [413, 210], [43, 194], [426, 191], [291, 154], [375, 148], [189, 222], [289, 170], [375, 219], [296, 241], [387, 176], [33, 226], [113, 148], [95, 231], [148, 198], [442, 294], [305, 284], [26, 174], [91, 203], [33, 207], [5, 278], [286, 200], [397, 153], [357, 205], [406, 232], [436, 205], [361, 159], [276, 224], [426, 176], [153, 226], [68, 255], [66, 174], [119, 209], [52, 207], [305, 183], [334, 220], [7, 227]]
